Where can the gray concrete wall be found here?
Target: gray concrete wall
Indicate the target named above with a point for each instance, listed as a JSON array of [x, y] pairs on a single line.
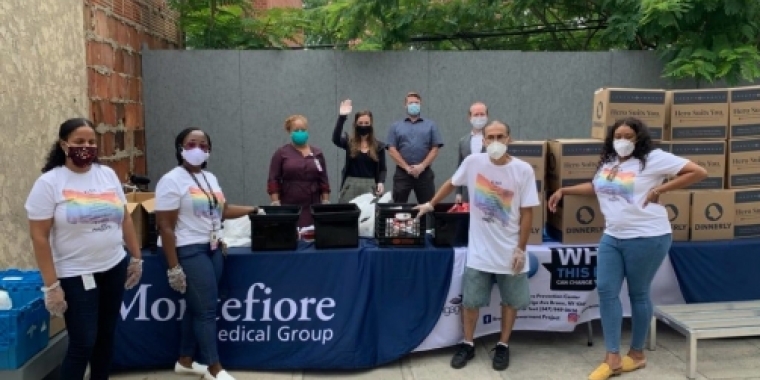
[[241, 98], [42, 83]]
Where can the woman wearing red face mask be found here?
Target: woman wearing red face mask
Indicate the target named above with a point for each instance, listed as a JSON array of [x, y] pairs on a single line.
[[78, 220]]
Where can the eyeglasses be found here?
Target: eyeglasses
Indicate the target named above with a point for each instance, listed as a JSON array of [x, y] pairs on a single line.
[[613, 172], [193, 145]]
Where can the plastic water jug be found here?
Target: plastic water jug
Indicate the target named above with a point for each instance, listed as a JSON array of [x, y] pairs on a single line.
[[5, 300]]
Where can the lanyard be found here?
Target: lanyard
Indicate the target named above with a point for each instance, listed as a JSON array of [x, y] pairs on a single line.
[[209, 195]]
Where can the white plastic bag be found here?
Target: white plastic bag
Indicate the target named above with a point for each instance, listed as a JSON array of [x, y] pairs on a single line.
[[367, 216], [237, 232]]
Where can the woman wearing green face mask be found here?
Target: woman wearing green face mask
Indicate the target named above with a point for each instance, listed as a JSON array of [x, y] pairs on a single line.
[[298, 173]]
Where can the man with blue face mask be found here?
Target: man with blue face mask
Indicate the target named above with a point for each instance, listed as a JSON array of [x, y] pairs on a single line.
[[472, 142], [413, 144]]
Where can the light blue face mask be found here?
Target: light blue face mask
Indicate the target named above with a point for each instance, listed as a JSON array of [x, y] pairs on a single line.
[[413, 109], [299, 137]]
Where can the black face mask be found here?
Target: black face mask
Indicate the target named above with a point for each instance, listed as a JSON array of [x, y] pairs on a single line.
[[363, 130]]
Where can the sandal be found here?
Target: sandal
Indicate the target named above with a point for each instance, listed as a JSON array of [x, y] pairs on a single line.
[[630, 364], [604, 372]]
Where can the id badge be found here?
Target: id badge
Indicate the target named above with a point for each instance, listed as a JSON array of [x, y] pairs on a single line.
[[88, 281], [214, 241], [319, 167]]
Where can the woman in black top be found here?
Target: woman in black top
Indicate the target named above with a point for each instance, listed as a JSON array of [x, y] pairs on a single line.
[[365, 169]]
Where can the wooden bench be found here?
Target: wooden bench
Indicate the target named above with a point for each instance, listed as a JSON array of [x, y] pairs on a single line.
[[707, 321]]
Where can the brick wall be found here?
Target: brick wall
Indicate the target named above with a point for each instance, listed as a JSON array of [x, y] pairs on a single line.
[[115, 31]]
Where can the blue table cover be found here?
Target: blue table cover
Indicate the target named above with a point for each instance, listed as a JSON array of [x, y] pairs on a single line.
[[717, 271], [363, 308]]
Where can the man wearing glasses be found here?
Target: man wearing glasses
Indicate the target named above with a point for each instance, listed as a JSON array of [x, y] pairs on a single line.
[[502, 193]]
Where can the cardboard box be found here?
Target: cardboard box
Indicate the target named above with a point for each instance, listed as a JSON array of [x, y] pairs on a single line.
[[747, 217], [743, 164], [142, 207], [698, 115], [744, 109], [712, 215], [613, 104], [57, 325], [571, 161], [711, 155], [578, 220], [539, 219], [678, 204], [534, 153]]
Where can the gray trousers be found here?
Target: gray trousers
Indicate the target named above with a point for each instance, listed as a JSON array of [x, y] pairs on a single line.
[[354, 187]]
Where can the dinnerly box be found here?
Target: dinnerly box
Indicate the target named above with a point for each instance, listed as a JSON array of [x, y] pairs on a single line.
[[711, 155], [612, 104], [539, 221], [744, 120], [698, 114], [534, 153], [747, 213], [571, 161], [678, 205], [142, 208], [712, 215], [578, 220]]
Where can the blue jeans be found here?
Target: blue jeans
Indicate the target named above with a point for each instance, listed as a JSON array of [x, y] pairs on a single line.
[[91, 322], [203, 269], [637, 260]]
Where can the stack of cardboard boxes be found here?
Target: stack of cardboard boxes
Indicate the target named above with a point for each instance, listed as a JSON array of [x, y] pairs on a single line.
[[718, 129]]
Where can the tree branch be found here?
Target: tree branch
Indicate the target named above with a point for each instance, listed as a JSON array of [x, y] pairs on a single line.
[[542, 18]]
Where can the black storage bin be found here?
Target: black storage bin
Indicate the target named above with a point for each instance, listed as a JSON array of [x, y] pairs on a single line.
[[152, 232], [451, 229], [277, 230], [336, 226], [390, 232]]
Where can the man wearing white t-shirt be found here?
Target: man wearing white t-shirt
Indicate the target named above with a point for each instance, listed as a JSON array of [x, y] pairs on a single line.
[[502, 195]]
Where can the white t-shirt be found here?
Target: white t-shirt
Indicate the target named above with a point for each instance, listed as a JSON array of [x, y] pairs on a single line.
[[621, 198], [497, 193], [177, 190], [87, 211]]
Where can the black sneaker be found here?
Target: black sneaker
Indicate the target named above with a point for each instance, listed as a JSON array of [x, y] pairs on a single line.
[[464, 353], [500, 357]]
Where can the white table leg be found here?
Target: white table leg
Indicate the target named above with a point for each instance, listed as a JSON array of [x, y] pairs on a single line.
[[692, 356], [653, 334]]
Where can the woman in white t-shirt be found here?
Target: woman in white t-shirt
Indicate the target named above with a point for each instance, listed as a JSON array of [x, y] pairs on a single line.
[[78, 223], [631, 176], [190, 207]]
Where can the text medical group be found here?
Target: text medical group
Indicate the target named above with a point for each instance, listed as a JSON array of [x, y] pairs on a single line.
[[233, 310]]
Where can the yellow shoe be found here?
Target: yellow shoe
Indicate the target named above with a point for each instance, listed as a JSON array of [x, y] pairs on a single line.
[[630, 364], [604, 372]]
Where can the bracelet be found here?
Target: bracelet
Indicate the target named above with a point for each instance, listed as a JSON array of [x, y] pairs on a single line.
[[54, 285]]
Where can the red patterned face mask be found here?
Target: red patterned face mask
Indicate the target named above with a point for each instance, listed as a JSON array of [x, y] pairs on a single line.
[[83, 156]]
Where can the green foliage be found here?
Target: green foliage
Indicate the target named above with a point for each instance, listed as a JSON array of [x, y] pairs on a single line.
[[706, 40]]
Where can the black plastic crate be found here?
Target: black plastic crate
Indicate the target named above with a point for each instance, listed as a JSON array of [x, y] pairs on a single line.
[[396, 225], [450, 229], [151, 235], [277, 230], [336, 226]]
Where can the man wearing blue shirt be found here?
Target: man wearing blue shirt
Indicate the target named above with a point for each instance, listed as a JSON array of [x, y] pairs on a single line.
[[413, 143]]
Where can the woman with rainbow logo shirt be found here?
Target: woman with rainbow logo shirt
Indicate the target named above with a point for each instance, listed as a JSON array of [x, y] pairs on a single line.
[[631, 176]]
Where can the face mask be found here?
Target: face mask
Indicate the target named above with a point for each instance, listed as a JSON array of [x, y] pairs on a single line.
[[479, 122], [413, 109], [195, 156], [83, 156], [624, 147], [496, 150], [299, 137], [362, 130]]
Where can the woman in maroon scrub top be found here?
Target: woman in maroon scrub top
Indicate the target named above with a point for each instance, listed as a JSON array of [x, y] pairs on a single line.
[[297, 172]]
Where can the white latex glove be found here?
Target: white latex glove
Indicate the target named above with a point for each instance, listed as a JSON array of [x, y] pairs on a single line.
[[423, 209], [134, 273], [325, 201], [275, 203], [518, 260], [345, 107], [55, 299], [177, 279], [260, 211], [379, 189], [458, 198]]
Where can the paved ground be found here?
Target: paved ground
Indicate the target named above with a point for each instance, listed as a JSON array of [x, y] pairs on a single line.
[[538, 356]]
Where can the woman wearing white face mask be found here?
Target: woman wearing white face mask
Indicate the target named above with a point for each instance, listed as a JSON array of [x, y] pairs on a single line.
[[637, 237], [190, 207]]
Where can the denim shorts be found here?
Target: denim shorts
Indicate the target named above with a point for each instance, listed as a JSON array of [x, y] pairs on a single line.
[[477, 285]]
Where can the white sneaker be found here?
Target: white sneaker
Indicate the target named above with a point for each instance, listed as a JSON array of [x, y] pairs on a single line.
[[196, 370], [222, 375]]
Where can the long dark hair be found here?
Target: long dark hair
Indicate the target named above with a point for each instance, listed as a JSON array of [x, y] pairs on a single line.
[[355, 142], [643, 145], [57, 157], [181, 138]]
